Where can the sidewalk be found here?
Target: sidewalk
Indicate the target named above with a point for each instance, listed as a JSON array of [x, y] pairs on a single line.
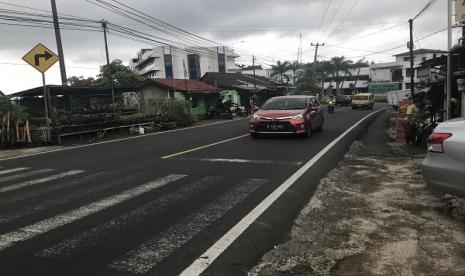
[[373, 215]]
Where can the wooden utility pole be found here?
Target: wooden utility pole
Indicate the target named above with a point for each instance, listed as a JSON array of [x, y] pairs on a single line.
[[110, 80], [56, 24], [316, 49]]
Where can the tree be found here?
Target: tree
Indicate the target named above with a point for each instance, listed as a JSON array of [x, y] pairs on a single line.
[[121, 75], [359, 64], [81, 81], [341, 65], [295, 67], [279, 69], [314, 75]]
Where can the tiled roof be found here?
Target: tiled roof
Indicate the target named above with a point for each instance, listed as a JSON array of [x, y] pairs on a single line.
[[184, 85]]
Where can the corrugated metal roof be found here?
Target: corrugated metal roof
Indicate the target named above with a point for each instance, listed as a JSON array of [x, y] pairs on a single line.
[[184, 85]]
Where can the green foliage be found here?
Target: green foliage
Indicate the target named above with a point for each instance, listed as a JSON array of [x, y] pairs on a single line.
[[121, 75], [81, 81], [170, 111], [279, 69], [16, 111]]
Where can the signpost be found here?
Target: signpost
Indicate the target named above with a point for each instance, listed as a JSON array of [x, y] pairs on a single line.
[[42, 58]]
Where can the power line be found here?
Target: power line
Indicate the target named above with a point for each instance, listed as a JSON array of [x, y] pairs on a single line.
[[427, 6], [322, 19]]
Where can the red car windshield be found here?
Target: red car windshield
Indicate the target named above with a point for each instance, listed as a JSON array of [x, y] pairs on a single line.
[[284, 104]]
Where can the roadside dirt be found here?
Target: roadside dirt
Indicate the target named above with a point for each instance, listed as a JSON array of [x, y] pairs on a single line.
[[373, 215], [26, 151]]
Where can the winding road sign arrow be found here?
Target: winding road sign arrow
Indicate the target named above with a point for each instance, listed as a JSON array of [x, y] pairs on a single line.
[[45, 55], [41, 58]]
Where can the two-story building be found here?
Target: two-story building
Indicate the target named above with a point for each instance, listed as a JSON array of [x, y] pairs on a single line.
[[396, 75], [169, 62]]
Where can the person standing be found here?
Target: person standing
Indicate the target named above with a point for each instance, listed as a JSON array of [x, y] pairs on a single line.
[[413, 114]]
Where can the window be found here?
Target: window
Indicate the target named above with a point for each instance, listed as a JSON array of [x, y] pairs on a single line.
[[193, 62], [221, 63], [408, 72], [168, 66], [406, 58]]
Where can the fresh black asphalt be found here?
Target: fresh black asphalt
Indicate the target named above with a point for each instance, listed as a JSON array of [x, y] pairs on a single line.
[[174, 218]]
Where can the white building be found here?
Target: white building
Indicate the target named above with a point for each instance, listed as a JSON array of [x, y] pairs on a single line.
[[183, 63], [396, 75], [355, 82]]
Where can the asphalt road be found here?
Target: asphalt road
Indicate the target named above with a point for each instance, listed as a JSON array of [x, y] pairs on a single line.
[[153, 204]]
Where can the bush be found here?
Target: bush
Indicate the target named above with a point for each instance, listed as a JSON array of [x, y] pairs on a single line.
[[169, 111]]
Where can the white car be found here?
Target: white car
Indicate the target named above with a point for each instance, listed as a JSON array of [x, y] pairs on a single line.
[[444, 165]]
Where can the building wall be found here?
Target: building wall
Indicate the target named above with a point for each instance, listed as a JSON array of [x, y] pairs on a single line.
[[208, 61]]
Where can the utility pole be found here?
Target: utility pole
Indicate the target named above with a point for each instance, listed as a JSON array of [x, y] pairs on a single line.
[[449, 59], [254, 78], [316, 49], [412, 72], [56, 24], [110, 81]]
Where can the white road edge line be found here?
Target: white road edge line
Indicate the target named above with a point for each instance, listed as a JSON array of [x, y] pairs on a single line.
[[209, 256], [123, 139]]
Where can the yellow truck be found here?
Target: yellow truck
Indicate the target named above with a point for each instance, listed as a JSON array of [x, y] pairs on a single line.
[[363, 100]]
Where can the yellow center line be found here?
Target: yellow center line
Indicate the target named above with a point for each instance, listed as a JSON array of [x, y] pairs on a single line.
[[206, 146]]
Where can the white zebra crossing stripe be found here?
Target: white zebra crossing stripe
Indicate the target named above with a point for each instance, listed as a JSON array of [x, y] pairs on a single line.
[[24, 175], [26, 210], [28, 232], [39, 181], [51, 188], [89, 238], [12, 170], [146, 256]]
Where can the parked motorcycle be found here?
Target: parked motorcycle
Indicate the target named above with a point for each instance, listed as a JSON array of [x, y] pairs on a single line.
[[239, 111], [219, 113]]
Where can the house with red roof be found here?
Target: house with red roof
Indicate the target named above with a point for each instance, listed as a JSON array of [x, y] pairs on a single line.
[[201, 95]]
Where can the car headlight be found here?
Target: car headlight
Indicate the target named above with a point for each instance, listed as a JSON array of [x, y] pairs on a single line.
[[297, 117], [256, 117]]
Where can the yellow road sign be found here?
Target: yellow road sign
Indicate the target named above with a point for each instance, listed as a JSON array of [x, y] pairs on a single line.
[[41, 58]]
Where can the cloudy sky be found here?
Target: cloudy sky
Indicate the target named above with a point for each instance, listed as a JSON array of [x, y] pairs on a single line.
[[269, 29]]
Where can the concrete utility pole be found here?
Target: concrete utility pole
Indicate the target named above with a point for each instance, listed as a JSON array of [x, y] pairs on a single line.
[[412, 72], [56, 24], [110, 81], [316, 49]]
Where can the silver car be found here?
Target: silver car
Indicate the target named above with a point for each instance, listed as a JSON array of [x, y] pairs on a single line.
[[444, 165]]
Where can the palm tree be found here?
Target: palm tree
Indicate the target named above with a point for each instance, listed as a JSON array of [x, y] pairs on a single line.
[[341, 65], [359, 64], [279, 69], [295, 67]]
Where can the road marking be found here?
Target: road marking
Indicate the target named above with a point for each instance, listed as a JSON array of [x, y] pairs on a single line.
[[124, 139], [146, 256], [24, 175], [203, 147], [39, 181], [12, 170], [26, 210], [51, 188], [88, 239], [28, 232], [208, 257], [236, 160]]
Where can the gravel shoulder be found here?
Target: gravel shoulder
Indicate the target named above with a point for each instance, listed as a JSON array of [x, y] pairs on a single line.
[[373, 215]]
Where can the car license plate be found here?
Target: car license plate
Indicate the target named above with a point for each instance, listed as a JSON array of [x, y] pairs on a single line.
[[275, 127]]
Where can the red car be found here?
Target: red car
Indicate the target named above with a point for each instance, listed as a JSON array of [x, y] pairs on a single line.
[[288, 115]]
